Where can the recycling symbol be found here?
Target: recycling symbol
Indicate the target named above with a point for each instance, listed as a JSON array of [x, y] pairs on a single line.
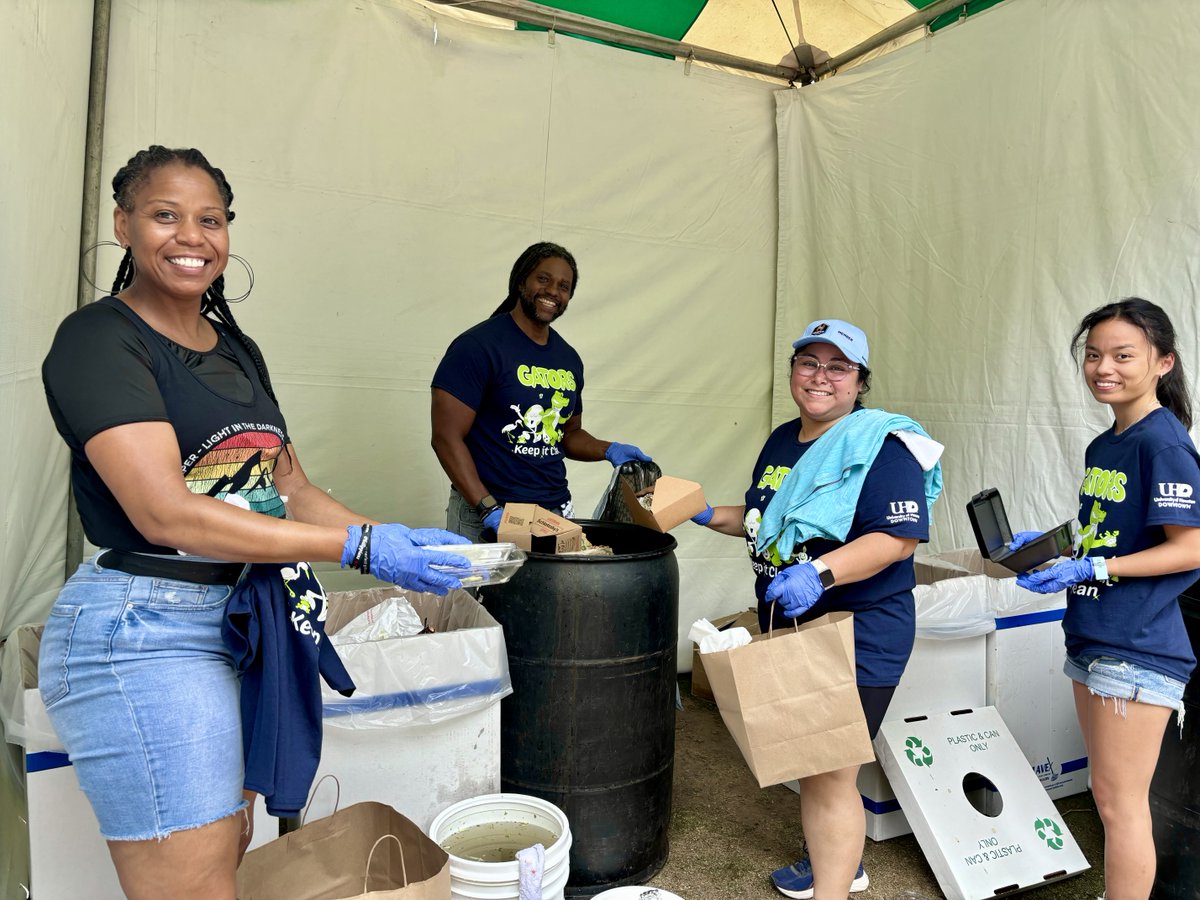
[[1054, 839], [918, 754]]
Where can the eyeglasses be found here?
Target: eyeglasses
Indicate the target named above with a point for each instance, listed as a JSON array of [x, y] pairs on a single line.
[[834, 371]]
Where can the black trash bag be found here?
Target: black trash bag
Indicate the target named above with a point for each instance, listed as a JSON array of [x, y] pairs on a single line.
[[641, 476]]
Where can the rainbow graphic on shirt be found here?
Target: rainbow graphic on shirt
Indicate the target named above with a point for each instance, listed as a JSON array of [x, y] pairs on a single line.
[[237, 465]]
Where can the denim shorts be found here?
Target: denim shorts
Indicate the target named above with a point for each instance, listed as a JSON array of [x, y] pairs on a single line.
[[144, 696], [1106, 676]]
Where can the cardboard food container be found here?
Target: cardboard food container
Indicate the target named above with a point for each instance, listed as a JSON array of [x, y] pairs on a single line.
[[538, 530], [747, 619], [675, 501]]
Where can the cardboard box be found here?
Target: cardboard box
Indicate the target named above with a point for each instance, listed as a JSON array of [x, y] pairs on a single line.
[[538, 530], [1025, 652], [1025, 844], [414, 736], [700, 686], [675, 500], [1026, 684]]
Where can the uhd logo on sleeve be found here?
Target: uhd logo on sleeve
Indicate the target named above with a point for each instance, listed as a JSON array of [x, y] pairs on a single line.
[[1174, 495], [903, 511]]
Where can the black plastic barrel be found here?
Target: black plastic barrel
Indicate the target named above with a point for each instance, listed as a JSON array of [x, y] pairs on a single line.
[[590, 724], [1175, 790]]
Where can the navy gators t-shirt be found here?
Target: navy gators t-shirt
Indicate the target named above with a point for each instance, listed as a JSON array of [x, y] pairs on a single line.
[[523, 395], [1135, 483], [893, 502]]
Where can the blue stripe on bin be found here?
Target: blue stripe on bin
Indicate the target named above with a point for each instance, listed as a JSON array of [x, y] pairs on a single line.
[[879, 807], [401, 699], [1074, 765], [47, 759], [1035, 618]]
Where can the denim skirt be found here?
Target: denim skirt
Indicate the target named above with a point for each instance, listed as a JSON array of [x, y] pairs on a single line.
[[145, 698]]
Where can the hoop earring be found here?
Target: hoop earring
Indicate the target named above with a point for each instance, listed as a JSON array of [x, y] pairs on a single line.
[[92, 249], [249, 274]]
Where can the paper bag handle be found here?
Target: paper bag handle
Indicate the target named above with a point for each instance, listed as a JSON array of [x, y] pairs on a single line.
[[336, 803], [771, 621], [370, 856]]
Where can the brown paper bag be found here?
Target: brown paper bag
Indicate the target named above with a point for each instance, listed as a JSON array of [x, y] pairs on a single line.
[[327, 859], [790, 700]]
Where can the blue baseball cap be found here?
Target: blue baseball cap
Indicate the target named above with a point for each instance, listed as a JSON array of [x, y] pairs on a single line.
[[849, 339]]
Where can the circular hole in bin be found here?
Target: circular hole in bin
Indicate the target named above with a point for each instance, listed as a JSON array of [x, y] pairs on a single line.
[[982, 794]]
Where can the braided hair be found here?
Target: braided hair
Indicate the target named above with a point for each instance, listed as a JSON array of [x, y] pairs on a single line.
[[128, 181], [524, 266]]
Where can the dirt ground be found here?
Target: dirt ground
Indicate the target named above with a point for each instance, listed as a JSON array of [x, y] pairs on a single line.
[[727, 834]]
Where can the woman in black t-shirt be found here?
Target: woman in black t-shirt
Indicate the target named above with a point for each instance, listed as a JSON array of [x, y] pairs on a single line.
[[183, 470]]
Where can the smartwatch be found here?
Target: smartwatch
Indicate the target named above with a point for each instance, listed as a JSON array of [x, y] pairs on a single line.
[[824, 573], [486, 505]]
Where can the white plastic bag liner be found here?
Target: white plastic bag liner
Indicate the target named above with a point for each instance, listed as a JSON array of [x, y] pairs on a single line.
[[393, 618], [21, 709], [968, 604], [421, 679]]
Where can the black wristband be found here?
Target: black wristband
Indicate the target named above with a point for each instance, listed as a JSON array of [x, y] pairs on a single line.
[[485, 505], [362, 555]]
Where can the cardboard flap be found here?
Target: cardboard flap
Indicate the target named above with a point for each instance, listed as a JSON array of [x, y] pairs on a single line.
[[675, 501], [538, 530]]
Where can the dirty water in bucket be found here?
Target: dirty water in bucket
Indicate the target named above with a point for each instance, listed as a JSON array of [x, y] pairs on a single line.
[[496, 841]]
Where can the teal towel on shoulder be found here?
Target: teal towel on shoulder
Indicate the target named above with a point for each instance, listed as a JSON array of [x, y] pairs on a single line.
[[819, 496]]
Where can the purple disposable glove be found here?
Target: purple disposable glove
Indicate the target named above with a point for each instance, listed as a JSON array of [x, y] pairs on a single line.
[[391, 555], [1059, 576], [796, 588], [703, 518], [618, 454], [1021, 538]]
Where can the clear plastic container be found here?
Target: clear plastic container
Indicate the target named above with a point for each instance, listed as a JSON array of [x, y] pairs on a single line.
[[490, 563]]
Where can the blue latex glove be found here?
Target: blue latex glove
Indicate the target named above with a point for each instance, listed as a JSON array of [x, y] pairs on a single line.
[[1058, 577], [796, 589], [392, 556], [417, 537], [1021, 538], [703, 518], [432, 537], [617, 454], [491, 522]]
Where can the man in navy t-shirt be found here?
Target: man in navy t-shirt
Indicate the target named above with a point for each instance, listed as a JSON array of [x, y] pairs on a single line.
[[508, 402]]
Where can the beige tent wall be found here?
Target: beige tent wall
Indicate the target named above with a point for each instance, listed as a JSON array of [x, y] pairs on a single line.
[[969, 198], [389, 164], [45, 50]]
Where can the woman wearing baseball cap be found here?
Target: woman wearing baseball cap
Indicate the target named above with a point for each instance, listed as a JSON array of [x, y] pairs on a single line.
[[817, 548]]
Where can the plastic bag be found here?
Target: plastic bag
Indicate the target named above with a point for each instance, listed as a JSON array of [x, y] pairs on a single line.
[[976, 593], [641, 477], [460, 667], [393, 618], [22, 713]]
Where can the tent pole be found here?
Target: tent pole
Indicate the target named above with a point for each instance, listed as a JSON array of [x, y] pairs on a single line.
[[93, 152], [548, 17], [919, 19]]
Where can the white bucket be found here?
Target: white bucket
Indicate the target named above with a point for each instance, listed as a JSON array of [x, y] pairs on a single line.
[[474, 880]]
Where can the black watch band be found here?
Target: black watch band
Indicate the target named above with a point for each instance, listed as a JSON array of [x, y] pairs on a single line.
[[486, 505]]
